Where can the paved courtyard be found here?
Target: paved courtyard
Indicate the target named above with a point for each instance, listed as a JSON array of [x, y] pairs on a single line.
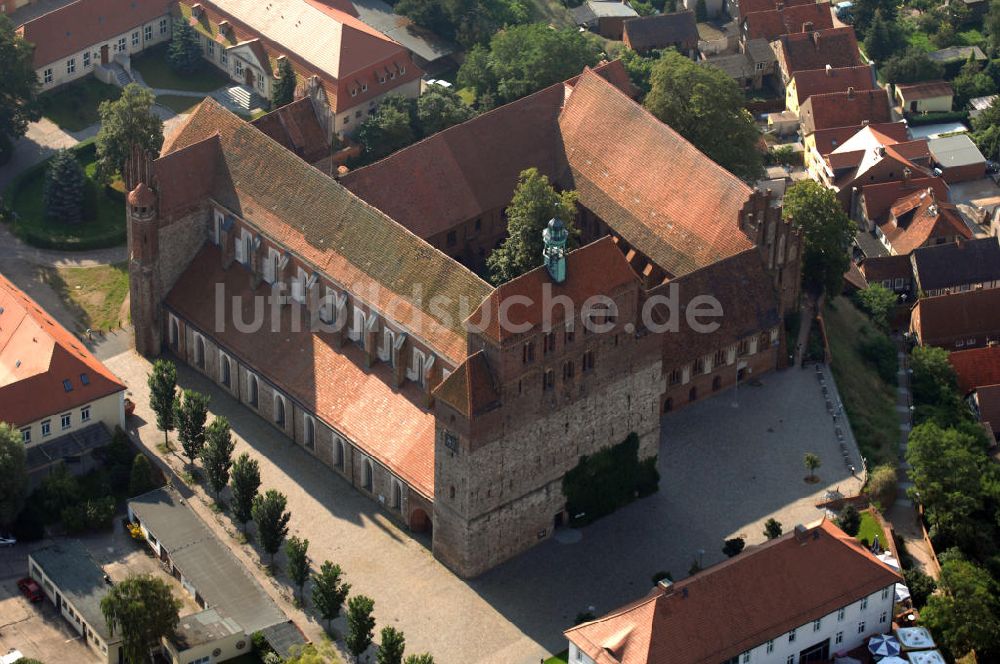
[[725, 470]]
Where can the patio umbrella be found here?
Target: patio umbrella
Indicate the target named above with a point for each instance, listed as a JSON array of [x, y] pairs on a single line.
[[892, 660], [883, 645]]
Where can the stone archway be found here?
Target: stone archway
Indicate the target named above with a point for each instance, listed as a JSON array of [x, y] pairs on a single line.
[[420, 522]]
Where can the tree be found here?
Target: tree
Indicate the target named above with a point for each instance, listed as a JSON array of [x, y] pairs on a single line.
[[812, 462], [18, 86], [440, 108], [864, 11], [733, 546], [244, 483], [184, 52], [269, 515], [283, 91], [971, 82], [141, 479], [127, 122], [296, 551], [639, 68], [64, 188], [986, 128], [163, 395], [142, 610], [966, 615], [913, 66], [217, 455], [827, 233], [329, 591], [525, 58], [882, 39], [360, 625], [705, 106], [534, 204], [772, 529], [935, 387], [883, 486], [921, 586], [388, 129], [849, 520], [878, 302], [701, 11], [190, 413], [13, 474], [469, 22], [423, 658], [391, 645], [991, 23]]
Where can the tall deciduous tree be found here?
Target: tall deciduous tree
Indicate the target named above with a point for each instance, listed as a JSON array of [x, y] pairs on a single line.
[[912, 66], [440, 108], [244, 483], [882, 39], [827, 233], [217, 455], [142, 610], [184, 52], [526, 58], [189, 416], [126, 122], [271, 520], [163, 395], [283, 91], [535, 202], [18, 86], [65, 185], [705, 106], [986, 128], [13, 474], [864, 11], [297, 554], [966, 615], [329, 591], [360, 625], [879, 303], [388, 129], [391, 645]]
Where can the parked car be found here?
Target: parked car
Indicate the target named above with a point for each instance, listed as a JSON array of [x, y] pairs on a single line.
[[30, 589], [7, 540]]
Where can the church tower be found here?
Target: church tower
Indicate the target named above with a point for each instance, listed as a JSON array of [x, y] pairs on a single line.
[[143, 244]]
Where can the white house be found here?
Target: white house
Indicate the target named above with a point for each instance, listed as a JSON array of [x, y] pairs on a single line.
[[804, 596]]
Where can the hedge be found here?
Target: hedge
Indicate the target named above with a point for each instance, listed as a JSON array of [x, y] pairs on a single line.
[[919, 119]]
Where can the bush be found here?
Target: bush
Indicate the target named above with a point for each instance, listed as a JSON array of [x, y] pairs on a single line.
[[883, 486], [141, 480], [733, 546], [849, 520], [93, 514], [879, 350], [610, 479], [921, 586]]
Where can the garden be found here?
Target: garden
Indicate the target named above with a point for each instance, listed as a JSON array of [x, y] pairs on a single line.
[[157, 72], [74, 106], [102, 210]]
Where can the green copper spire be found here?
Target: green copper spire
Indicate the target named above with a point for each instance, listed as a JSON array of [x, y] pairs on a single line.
[[554, 253]]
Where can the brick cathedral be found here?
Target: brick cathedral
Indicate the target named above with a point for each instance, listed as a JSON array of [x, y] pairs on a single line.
[[410, 388]]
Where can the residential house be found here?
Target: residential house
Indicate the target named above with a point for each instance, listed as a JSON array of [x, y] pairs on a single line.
[[605, 17], [979, 104], [754, 65], [844, 109], [874, 204], [976, 367], [677, 30], [782, 20], [802, 51], [824, 141], [801, 597], [925, 97], [959, 267], [76, 39], [75, 584], [957, 320], [61, 398], [958, 158], [892, 272], [984, 401], [737, 9], [394, 392], [205, 637], [343, 64], [805, 84], [921, 219]]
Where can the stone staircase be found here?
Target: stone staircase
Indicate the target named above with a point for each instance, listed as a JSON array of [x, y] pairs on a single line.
[[122, 77], [240, 96]]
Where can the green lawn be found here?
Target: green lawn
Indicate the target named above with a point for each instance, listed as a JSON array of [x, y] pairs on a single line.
[[74, 106], [972, 37], [870, 402], [104, 210], [178, 103], [869, 529], [94, 294], [561, 658], [152, 65], [921, 41]]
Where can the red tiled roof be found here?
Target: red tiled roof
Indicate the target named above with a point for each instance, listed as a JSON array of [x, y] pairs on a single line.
[[74, 27], [824, 81], [739, 604], [877, 199], [837, 47], [471, 388], [828, 140], [879, 268], [296, 126], [919, 217], [36, 356], [915, 150], [772, 23], [324, 224], [387, 423], [844, 109], [925, 90], [662, 30], [748, 6], [988, 398], [972, 314], [598, 268], [651, 204], [976, 367]]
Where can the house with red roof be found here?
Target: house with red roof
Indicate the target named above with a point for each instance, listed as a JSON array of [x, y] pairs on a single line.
[[844, 109], [978, 373], [801, 597], [782, 20], [802, 51], [62, 399], [921, 219], [805, 84]]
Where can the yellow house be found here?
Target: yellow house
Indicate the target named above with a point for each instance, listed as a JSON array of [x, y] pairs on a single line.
[[926, 97], [206, 636]]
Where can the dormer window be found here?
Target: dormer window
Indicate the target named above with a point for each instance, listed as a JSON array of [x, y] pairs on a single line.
[[402, 70], [364, 87], [354, 92], [84, 379], [67, 385]]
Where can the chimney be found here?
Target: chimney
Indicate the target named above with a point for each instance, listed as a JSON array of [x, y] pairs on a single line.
[[906, 176], [807, 26], [197, 10], [224, 28], [666, 585], [815, 38], [850, 92], [801, 533], [829, 70]]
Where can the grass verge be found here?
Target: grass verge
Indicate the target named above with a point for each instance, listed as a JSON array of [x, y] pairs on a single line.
[[869, 401], [94, 295], [74, 106], [561, 658], [156, 72]]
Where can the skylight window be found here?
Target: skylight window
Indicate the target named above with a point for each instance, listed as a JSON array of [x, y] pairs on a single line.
[[67, 385], [84, 379]]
